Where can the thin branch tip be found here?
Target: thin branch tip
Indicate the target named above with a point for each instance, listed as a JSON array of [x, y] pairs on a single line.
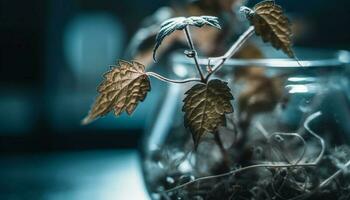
[[168, 80], [232, 51]]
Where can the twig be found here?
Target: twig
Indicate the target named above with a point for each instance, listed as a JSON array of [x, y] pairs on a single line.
[[234, 48], [195, 56], [225, 156], [328, 180], [162, 78], [262, 130]]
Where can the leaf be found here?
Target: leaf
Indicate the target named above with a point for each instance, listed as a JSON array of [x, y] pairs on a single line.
[[261, 94], [205, 107], [180, 23], [124, 87], [272, 25]]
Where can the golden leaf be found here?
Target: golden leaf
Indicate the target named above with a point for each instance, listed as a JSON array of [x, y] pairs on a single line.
[[272, 25], [124, 87], [205, 107]]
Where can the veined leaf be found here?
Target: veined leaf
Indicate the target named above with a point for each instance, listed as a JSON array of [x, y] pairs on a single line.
[[205, 107], [180, 23], [124, 87], [272, 25]]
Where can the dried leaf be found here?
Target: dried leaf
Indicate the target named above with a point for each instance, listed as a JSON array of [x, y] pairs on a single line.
[[124, 87], [248, 51], [272, 25], [260, 95], [180, 23], [205, 107]]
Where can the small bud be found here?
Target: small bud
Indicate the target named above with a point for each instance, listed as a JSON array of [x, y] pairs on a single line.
[[190, 53], [247, 11]]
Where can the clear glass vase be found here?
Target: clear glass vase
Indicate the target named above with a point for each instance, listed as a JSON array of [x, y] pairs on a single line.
[[272, 96]]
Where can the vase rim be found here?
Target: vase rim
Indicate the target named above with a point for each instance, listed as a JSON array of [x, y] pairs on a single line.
[[325, 58]]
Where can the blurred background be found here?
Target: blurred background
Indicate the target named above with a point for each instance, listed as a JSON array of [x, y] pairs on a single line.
[[53, 53]]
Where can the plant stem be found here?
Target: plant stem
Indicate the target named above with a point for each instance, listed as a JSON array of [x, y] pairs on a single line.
[[225, 156], [219, 141], [162, 78], [234, 48], [195, 57]]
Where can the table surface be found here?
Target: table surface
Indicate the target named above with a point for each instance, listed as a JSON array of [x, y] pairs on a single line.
[[107, 174]]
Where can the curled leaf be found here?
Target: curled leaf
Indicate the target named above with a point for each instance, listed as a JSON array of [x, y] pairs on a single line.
[[272, 25], [180, 23], [124, 87], [205, 107]]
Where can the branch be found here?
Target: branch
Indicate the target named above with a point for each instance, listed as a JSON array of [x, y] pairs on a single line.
[[193, 50], [234, 48], [162, 78]]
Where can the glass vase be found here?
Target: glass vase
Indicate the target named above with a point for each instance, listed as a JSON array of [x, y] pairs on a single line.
[[277, 102]]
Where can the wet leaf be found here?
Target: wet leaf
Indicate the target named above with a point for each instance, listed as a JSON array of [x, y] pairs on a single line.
[[205, 107], [124, 87], [272, 25], [180, 23]]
